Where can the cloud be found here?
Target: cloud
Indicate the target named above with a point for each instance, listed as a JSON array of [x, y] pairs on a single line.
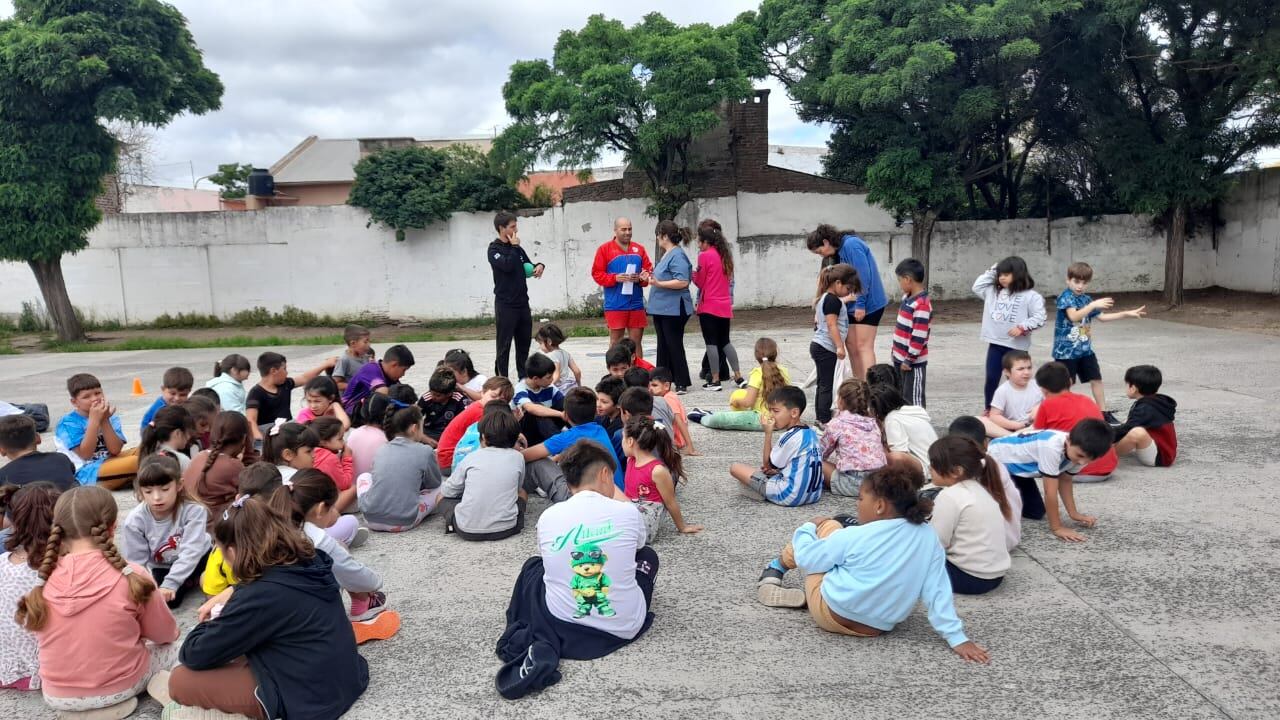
[[378, 68]]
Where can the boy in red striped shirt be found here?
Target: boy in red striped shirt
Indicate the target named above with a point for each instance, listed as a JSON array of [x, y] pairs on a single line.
[[911, 332]]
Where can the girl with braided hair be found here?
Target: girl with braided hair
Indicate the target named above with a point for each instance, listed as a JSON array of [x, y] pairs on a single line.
[[213, 477], [29, 510], [89, 603]]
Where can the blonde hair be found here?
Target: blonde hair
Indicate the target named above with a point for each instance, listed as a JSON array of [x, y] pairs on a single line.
[[86, 512], [771, 377]]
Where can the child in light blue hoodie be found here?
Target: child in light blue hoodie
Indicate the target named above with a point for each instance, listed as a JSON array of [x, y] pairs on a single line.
[[863, 576]]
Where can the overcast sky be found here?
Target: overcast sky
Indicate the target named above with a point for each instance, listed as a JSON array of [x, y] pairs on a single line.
[[377, 68]]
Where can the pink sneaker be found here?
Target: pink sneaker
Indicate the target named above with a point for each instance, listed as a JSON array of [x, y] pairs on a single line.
[[368, 607]]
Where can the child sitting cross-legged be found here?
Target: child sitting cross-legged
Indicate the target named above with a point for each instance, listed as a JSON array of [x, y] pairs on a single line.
[[309, 500], [167, 532], [102, 628], [969, 514], [92, 437], [908, 429], [228, 379], [404, 487], [543, 472], [365, 441], [29, 510], [852, 445], [651, 471], [259, 654], [864, 579], [791, 472], [1014, 405], [483, 497], [272, 398]]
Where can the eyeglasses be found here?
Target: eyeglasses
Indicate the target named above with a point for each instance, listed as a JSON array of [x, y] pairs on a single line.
[[594, 555]]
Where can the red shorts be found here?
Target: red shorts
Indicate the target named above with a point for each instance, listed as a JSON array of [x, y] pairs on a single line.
[[625, 319]]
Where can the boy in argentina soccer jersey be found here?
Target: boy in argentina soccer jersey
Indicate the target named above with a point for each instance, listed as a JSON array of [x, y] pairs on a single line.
[[791, 473]]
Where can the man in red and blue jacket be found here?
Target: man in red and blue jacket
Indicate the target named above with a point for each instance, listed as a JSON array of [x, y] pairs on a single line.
[[622, 268]]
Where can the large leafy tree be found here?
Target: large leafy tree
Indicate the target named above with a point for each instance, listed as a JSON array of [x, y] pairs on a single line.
[[646, 91], [932, 100], [66, 69], [1180, 94], [412, 187]]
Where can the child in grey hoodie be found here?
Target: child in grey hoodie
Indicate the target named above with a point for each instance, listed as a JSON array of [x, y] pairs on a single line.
[[1011, 309], [166, 533]]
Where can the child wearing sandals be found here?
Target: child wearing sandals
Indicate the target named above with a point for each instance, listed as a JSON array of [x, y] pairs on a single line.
[[259, 655], [969, 514], [650, 481], [29, 510], [404, 487], [852, 445], [864, 579], [89, 603]]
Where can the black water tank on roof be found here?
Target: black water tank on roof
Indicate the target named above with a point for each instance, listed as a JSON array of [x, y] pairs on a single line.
[[261, 184]]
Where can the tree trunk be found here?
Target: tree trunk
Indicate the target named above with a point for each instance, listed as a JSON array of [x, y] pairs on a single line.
[[56, 301], [922, 222], [1175, 247]]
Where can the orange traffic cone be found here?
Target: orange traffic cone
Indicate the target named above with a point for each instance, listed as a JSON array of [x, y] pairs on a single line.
[[137, 388]]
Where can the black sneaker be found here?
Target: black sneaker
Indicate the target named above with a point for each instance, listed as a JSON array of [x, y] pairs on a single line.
[[696, 415], [1110, 418], [845, 520], [771, 576], [682, 389], [741, 383], [712, 386]]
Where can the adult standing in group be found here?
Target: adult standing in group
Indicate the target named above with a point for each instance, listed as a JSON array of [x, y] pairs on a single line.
[[511, 267], [620, 267], [867, 308], [714, 278], [670, 303]]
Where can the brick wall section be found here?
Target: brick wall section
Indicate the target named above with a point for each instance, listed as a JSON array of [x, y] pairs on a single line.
[[730, 159], [110, 201]]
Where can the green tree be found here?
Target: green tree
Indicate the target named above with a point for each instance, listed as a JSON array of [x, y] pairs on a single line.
[[1180, 93], [412, 187], [65, 70], [933, 102], [233, 178], [646, 91]]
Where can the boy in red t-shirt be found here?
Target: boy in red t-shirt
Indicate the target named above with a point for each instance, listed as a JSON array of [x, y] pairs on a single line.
[[1148, 433], [1062, 409], [495, 388]]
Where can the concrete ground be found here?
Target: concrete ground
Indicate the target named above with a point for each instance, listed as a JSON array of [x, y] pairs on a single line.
[[1166, 612]]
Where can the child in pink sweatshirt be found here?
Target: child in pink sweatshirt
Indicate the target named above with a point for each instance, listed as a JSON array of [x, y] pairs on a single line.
[[102, 628]]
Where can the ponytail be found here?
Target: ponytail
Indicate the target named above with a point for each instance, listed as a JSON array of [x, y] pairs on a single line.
[[234, 361], [771, 377], [650, 437], [166, 421], [710, 232], [855, 397], [399, 420], [957, 452]]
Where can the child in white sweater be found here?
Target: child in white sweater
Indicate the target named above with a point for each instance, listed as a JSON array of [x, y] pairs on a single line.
[[969, 514]]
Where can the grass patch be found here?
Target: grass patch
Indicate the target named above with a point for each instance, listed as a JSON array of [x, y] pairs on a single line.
[[159, 343], [6, 348], [581, 331]]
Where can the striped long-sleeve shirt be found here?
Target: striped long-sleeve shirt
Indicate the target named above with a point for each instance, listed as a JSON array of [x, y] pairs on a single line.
[[911, 332]]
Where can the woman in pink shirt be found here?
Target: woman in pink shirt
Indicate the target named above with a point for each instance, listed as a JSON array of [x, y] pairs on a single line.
[[102, 628], [714, 278]]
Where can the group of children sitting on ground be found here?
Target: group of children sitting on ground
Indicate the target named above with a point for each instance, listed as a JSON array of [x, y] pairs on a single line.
[[236, 496]]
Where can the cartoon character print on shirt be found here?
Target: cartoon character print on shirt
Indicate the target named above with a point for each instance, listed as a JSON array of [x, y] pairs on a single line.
[[1006, 306], [1078, 336], [590, 585], [167, 552]]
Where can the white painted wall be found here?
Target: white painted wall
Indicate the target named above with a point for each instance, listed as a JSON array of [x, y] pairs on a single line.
[[324, 258]]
